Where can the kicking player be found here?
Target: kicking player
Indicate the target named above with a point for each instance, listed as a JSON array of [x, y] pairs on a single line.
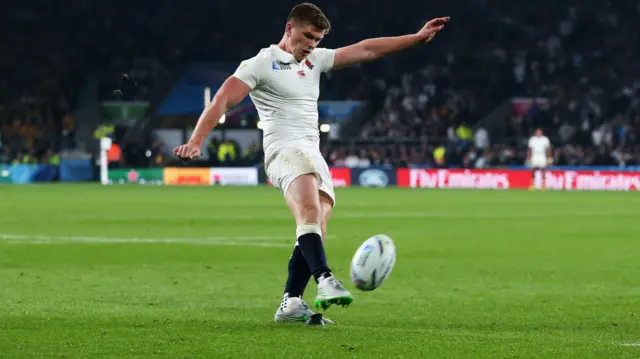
[[283, 81], [538, 157]]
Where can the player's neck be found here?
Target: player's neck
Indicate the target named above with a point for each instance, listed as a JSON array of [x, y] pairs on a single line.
[[284, 46]]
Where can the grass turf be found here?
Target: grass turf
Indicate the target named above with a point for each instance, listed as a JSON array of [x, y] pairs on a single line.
[[197, 272]]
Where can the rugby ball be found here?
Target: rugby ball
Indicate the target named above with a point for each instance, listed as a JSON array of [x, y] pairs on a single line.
[[373, 262]]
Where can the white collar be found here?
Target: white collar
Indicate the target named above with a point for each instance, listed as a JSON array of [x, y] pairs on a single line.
[[283, 56]]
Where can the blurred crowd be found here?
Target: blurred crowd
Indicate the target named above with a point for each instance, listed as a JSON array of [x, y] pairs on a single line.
[[579, 56], [37, 88], [428, 103]]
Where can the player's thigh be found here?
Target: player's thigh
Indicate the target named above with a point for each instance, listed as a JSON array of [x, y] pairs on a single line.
[[302, 174], [326, 181], [303, 199]]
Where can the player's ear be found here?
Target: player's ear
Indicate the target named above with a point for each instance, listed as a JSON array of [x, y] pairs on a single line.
[[287, 29]]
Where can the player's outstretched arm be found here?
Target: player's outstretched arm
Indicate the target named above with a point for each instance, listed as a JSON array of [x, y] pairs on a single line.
[[373, 49], [231, 93]]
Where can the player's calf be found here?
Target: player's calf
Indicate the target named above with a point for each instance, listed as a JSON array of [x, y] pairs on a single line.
[[543, 176], [330, 290], [532, 186], [304, 202], [299, 274], [310, 242], [326, 205]]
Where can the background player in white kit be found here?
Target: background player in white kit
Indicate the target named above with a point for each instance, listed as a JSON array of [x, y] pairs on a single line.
[[538, 156], [283, 81]]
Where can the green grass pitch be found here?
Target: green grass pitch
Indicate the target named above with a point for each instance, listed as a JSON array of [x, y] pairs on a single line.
[[197, 272]]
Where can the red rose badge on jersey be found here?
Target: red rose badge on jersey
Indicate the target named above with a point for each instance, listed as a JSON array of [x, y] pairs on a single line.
[[309, 64], [301, 73]]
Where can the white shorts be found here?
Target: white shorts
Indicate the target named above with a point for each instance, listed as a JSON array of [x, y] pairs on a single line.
[[538, 162], [294, 161]]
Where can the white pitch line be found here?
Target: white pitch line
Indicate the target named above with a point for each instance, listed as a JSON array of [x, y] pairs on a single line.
[[478, 215], [630, 344], [220, 241]]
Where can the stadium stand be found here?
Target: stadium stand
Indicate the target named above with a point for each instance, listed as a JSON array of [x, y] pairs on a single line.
[[583, 74]]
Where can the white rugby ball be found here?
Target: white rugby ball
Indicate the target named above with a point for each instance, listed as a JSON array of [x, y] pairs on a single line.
[[373, 262]]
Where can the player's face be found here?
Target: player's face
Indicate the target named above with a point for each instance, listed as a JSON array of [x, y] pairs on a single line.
[[303, 39], [538, 133]]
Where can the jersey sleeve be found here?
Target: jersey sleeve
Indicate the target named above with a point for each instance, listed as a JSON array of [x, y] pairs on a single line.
[[325, 58], [250, 71], [530, 144]]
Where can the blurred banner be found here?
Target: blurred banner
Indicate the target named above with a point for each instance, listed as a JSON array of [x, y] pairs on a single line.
[[132, 175], [176, 176], [518, 179], [341, 176], [234, 176], [76, 170], [20, 174], [211, 176], [5, 175], [373, 177], [48, 173], [187, 176], [501, 179]]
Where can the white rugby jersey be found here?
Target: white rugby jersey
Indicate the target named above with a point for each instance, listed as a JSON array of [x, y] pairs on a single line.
[[539, 145], [285, 93]]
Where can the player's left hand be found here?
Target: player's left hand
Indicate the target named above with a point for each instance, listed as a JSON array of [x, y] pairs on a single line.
[[431, 28]]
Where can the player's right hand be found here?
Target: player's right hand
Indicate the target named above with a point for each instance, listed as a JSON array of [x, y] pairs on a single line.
[[431, 28], [187, 152]]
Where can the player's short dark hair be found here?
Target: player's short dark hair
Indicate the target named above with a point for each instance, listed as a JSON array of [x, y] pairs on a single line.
[[307, 13]]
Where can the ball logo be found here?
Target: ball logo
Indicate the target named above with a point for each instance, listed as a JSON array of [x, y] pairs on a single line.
[[360, 283], [373, 178], [386, 272], [366, 252]]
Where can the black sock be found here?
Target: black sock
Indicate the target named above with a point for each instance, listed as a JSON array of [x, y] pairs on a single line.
[[299, 274], [313, 251]]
